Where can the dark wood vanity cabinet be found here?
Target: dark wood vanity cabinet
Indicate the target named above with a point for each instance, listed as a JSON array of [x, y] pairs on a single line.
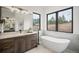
[[7, 45], [31, 42], [18, 44]]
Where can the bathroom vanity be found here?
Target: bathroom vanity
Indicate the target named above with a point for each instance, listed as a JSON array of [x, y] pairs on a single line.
[[16, 42], [12, 41]]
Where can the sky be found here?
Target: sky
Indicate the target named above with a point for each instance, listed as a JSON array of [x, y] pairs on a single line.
[[66, 13]]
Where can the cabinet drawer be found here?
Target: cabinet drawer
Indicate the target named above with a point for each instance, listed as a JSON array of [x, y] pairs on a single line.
[[33, 43], [34, 37], [7, 45]]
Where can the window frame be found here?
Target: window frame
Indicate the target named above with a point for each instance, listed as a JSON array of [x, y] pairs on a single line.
[[39, 20], [57, 19]]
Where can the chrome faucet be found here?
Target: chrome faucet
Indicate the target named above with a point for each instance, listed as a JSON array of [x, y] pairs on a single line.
[[20, 31]]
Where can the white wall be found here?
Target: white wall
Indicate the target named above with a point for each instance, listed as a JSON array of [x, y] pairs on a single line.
[[76, 20], [6, 12], [27, 21], [18, 19]]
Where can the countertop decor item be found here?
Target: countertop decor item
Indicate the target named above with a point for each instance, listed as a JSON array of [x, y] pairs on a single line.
[[20, 31], [29, 30]]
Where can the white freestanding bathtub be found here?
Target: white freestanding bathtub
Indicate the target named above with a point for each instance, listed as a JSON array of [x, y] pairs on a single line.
[[54, 44]]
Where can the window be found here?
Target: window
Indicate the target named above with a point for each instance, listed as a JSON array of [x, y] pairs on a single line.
[[36, 21], [51, 21], [61, 20], [65, 21]]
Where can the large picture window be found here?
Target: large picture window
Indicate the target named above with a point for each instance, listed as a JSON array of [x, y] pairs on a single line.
[[63, 20], [36, 21]]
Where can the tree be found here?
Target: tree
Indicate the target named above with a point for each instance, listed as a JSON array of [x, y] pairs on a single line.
[[62, 19], [52, 21], [35, 21]]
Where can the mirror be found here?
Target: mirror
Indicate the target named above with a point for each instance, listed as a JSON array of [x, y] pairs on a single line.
[[8, 16], [15, 19]]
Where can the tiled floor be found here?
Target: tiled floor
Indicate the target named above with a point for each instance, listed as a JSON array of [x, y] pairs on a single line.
[[42, 49], [39, 49], [69, 51]]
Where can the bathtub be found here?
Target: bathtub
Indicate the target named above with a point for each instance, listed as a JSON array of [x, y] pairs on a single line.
[[54, 44]]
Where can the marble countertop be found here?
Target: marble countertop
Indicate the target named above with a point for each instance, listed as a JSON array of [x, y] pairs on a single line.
[[14, 34]]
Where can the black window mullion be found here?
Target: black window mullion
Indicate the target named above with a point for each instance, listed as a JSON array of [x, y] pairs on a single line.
[[72, 19], [56, 21], [0, 12], [39, 22]]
